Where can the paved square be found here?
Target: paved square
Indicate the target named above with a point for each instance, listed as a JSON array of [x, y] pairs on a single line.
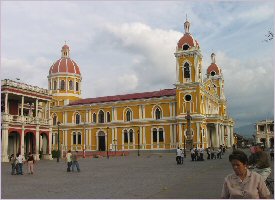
[[149, 176]]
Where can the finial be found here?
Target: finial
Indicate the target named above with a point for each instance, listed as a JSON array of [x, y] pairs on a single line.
[[65, 41], [213, 58], [186, 16]]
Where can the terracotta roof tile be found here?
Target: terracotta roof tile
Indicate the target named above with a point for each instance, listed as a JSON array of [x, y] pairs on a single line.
[[134, 96]]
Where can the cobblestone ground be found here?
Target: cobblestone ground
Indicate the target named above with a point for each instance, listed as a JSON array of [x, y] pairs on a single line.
[[150, 176]]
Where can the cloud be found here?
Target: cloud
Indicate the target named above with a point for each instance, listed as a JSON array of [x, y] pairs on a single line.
[[249, 87]]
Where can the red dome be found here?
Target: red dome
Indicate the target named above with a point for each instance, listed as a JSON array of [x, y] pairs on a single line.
[[188, 39], [215, 68], [64, 65], [65, 47]]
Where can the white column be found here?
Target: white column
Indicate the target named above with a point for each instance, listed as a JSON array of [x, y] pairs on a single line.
[[144, 137], [5, 136], [180, 134], [139, 112], [36, 107], [177, 69], [22, 105], [171, 135], [223, 135], [171, 109], [232, 134], [50, 143], [6, 103], [198, 134], [22, 141], [217, 135], [37, 143]]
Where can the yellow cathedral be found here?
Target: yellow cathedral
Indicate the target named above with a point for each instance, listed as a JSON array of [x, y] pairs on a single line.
[[154, 120]]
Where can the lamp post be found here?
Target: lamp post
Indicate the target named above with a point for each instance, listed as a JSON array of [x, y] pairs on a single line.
[[184, 147], [138, 142], [58, 154], [107, 142]]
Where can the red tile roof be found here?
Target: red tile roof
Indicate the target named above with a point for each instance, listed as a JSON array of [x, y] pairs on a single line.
[[64, 65], [134, 96], [187, 39]]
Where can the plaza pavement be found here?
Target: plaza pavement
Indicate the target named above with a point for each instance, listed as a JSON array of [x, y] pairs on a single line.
[[149, 176]]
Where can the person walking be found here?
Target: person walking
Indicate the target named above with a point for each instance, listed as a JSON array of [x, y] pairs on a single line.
[[243, 183], [208, 153], [13, 164], [260, 162], [193, 154], [69, 160], [30, 162], [75, 162], [181, 156], [178, 157], [201, 151], [20, 160], [219, 154]]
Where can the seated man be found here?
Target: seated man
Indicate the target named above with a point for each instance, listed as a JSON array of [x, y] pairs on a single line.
[[259, 160]]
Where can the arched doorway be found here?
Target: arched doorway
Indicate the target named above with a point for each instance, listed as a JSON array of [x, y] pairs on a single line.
[[13, 143], [43, 143], [29, 143], [101, 141]]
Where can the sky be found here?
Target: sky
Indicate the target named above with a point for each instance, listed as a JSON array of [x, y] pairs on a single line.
[[126, 47]]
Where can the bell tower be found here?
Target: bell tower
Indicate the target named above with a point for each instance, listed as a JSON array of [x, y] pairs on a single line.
[[188, 58]]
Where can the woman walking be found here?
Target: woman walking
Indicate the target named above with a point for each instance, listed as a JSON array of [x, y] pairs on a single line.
[[30, 163]]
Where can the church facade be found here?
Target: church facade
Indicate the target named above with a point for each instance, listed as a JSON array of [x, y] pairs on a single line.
[[194, 112], [146, 121]]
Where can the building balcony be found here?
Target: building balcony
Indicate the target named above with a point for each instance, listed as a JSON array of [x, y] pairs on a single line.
[[7, 118]]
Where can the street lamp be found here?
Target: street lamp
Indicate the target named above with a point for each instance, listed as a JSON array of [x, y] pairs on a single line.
[[138, 142], [58, 154], [107, 142]]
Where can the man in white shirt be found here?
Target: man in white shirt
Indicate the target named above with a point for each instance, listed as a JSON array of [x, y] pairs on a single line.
[[178, 158], [20, 159]]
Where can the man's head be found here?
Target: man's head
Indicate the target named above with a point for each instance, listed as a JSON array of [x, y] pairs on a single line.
[[258, 148]]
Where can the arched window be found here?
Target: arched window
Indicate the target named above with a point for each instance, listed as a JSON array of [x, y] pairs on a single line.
[[161, 139], [74, 138], [54, 120], [76, 86], [71, 85], [186, 70], [213, 73], [54, 85], [128, 115], [158, 114], [79, 138], [62, 85], [77, 118], [131, 135], [185, 47], [108, 117], [155, 135], [125, 136], [94, 118], [101, 117]]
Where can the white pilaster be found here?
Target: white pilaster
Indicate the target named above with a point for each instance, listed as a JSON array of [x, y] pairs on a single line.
[[5, 136], [180, 134], [6, 103], [22, 106]]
